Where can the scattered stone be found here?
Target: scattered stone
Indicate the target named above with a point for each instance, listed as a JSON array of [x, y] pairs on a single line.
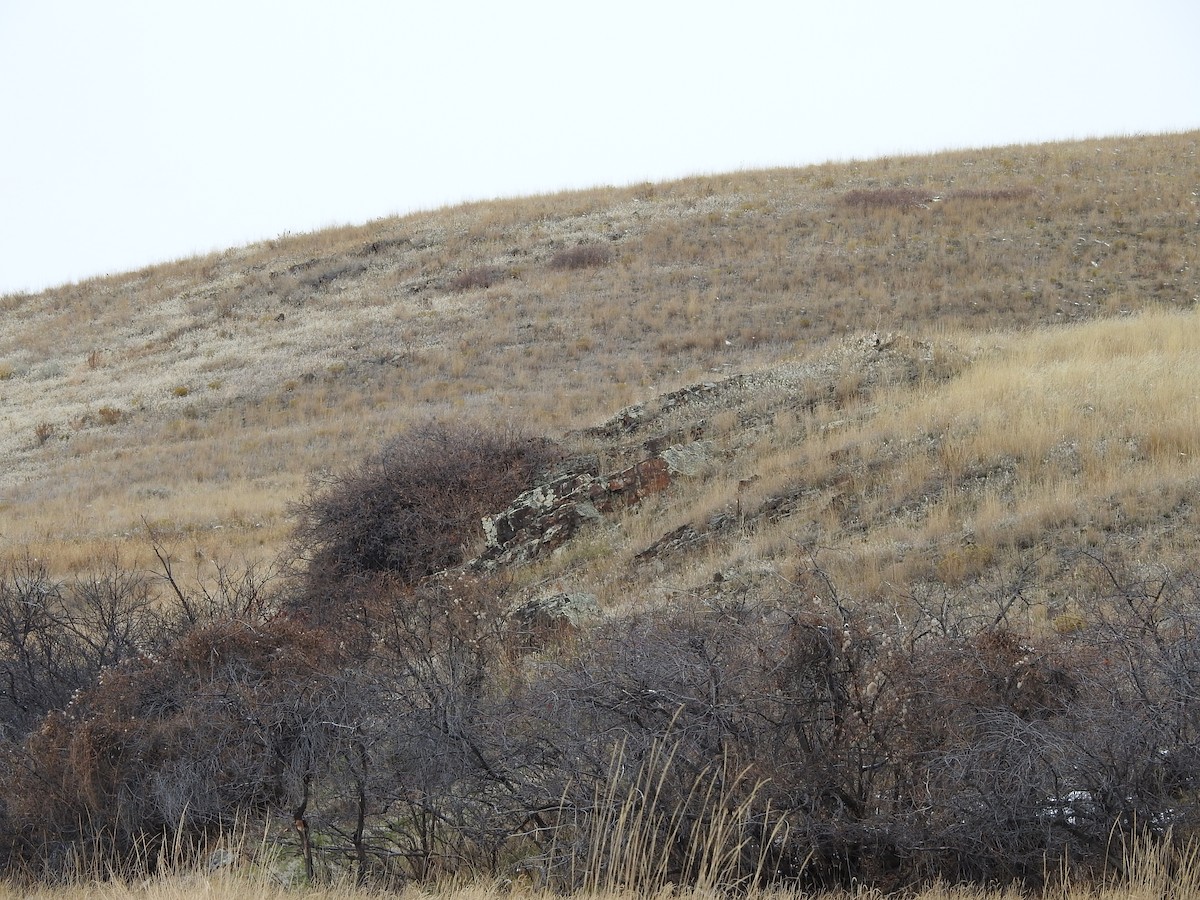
[[682, 538], [220, 859], [545, 620], [655, 445]]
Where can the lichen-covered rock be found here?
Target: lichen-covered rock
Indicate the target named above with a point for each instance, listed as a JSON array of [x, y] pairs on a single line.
[[547, 516], [688, 459], [543, 620], [541, 519]]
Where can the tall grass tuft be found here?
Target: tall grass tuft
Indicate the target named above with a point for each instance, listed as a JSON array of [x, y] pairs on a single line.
[[644, 838], [1153, 868]]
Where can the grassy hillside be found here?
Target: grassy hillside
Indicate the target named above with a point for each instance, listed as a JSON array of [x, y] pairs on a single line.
[[1015, 394], [901, 402]]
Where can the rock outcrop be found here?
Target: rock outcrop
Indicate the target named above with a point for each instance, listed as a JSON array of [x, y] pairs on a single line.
[[547, 516], [541, 519]]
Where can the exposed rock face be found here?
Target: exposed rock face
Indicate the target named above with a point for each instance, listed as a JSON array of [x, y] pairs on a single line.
[[688, 459], [680, 539], [547, 516], [541, 519], [641, 480]]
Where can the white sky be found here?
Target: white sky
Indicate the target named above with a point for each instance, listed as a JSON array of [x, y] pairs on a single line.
[[136, 132]]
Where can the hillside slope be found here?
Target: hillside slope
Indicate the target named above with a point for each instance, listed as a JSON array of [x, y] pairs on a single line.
[[924, 368], [820, 528]]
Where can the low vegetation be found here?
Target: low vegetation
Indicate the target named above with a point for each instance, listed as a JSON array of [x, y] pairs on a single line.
[[910, 599], [409, 730]]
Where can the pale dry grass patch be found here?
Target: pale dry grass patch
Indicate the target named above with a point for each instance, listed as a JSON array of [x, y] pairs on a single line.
[[1149, 873], [1042, 433], [182, 887]]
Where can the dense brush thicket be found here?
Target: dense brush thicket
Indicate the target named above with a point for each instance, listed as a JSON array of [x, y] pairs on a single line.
[[413, 734]]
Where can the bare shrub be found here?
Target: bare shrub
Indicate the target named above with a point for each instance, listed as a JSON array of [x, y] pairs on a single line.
[[728, 744], [56, 637], [992, 194], [585, 256], [226, 723], [416, 507], [39, 663], [908, 198], [767, 696], [477, 277], [321, 275], [884, 198], [895, 757], [127, 719], [109, 415], [453, 758]]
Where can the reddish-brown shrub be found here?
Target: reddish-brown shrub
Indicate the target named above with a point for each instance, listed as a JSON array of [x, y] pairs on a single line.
[[477, 277], [885, 198], [1009, 193], [227, 722], [584, 256], [416, 507]]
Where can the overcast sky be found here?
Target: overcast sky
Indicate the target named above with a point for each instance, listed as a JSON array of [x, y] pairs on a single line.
[[136, 132]]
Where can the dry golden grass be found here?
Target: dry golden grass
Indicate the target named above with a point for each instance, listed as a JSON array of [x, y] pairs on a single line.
[[1043, 442], [226, 888], [198, 397], [1149, 874], [1048, 438]]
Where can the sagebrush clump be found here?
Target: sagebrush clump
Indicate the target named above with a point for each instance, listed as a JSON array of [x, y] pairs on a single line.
[[582, 257]]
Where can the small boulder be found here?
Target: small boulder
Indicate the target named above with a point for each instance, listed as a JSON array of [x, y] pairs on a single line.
[[545, 620], [687, 459]]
